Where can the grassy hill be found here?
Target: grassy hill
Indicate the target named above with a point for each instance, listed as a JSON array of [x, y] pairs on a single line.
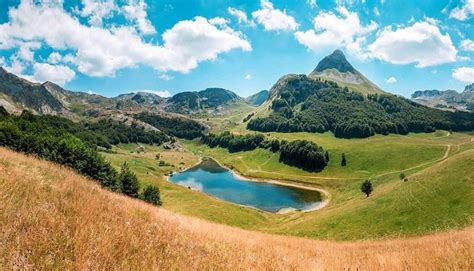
[[380, 159], [52, 218]]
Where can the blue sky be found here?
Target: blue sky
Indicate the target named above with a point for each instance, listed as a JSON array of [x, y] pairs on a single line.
[[112, 47]]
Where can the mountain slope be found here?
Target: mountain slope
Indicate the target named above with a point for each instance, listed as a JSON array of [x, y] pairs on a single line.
[[313, 104], [336, 68], [209, 100], [54, 219], [17, 94], [447, 99], [258, 98]]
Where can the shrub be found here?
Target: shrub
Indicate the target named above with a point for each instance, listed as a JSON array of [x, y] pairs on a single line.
[[129, 182], [152, 195], [366, 188]]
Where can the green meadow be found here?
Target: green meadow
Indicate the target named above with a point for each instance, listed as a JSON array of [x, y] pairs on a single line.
[[438, 194]]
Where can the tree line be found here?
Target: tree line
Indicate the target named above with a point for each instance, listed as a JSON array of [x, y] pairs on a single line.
[[47, 140], [323, 106], [178, 127], [299, 153]]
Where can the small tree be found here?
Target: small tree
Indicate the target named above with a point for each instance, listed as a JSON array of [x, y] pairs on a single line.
[[366, 188], [129, 181], [157, 156], [326, 156], [343, 161], [151, 194], [402, 176]]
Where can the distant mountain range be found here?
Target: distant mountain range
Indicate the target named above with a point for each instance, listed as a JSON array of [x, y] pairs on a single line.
[[446, 99], [17, 94], [336, 97]]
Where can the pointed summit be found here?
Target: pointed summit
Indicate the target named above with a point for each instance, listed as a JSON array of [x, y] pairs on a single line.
[[337, 60]]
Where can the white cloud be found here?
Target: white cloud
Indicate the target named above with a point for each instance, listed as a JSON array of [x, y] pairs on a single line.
[[467, 45], [241, 16], [465, 74], [337, 30], [422, 44], [312, 3], [25, 51], [376, 11], [161, 93], [55, 58], [274, 19], [248, 77], [463, 12], [2, 60], [135, 11], [391, 80], [58, 74], [97, 11], [16, 66], [165, 77], [101, 52]]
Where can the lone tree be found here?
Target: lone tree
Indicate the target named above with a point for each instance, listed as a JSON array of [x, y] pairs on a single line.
[[129, 181], [343, 161], [366, 188], [326, 156], [151, 194], [402, 176]]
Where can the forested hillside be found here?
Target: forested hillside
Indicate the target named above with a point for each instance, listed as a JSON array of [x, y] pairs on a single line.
[[304, 104]]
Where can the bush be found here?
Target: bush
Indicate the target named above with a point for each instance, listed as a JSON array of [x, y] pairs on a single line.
[[129, 182], [152, 195], [366, 188]]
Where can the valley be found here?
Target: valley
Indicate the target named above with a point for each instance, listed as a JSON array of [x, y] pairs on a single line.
[[311, 140]]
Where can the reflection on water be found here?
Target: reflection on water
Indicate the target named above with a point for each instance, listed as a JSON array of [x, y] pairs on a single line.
[[210, 178]]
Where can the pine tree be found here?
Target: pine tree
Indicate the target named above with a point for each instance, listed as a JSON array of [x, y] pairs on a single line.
[[151, 194], [343, 161], [129, 181], [366, 188]]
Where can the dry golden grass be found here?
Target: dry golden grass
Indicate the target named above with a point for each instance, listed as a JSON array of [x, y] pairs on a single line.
[[51, 218]]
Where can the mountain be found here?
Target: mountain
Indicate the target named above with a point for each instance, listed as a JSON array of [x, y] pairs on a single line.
[[17, 94], [258, 98], [208, 100], [336, 68], [313, 104], [446, 99]]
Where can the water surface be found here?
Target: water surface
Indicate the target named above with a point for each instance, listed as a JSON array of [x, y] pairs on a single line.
[[210, 178]]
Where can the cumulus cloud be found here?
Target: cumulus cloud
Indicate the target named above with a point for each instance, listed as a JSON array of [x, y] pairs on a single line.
[[248, 77], [55, 58], [463, 12], [421, 43], [58, 74], [241, 16], [161, 93], [97, 11], [331, 30], [101, 52], [465, 74], [467, 45], [391, 80], [135, 11], [274, 19]]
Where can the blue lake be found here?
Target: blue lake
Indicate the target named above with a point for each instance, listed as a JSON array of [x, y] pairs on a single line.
[[212, 179]]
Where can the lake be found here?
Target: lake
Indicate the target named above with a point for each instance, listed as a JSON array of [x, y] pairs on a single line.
[[210, 178]]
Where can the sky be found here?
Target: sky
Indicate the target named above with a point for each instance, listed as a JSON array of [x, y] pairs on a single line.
[[168, 46]]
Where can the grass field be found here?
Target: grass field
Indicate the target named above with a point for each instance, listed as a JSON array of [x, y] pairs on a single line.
[[436, 197], [53, 219]]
